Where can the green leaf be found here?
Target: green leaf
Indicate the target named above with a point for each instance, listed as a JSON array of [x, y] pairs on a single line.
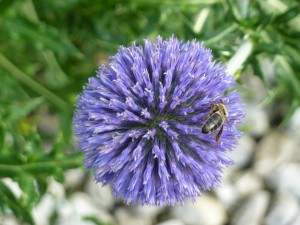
[[58, 147], [5, 4], [295, 104], [7, 157], [8, 198], [18, 112], [27, 184], [66, 119], [42, 184], [288, 75], [44, 36], [2, 136], [243, 6], [59, 175], [56, 77], [288, 15], [46, 166], [23, 77]]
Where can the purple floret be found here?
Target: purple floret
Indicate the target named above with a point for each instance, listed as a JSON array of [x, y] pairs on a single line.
[[139, 122]]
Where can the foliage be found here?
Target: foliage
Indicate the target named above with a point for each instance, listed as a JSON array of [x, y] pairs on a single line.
[[49, 49]]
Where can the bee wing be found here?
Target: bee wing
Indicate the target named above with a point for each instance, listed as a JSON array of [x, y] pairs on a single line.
[[212, 110], [219, 134]]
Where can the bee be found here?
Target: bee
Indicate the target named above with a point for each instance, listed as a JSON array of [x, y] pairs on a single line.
[[215, 119]]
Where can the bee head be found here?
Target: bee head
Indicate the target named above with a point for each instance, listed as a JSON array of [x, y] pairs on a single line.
[[222, 107]]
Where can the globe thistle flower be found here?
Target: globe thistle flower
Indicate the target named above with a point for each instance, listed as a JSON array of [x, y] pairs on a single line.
[[139, 122]]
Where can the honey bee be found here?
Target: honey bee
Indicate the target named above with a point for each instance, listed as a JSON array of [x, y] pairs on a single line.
[[215, 118]]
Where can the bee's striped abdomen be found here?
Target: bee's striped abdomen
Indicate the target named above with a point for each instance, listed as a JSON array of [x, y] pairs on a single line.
[[213, 123]]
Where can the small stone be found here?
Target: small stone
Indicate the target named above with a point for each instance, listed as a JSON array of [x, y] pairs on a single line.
[[238, 186], [171, 222], [13, 186], [78, 208], [66, 214], [74, 178], [227, 195], [296, 221], [56, 189], [273, 150], [206, 210], [286, 178], [258, 121], [48, 124], [253, 82], [252, 210], [101, 195], [284, 210], [150, 212], [9, 220], [126, 216], [84, 206], [243, 153], [43, 211], [55, 195], [248, 183], [269, 70]]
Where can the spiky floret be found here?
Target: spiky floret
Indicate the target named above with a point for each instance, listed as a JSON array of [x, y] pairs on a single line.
[[138, 122]]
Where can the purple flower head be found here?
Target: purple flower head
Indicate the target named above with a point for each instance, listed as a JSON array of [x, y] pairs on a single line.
[[139, 122]]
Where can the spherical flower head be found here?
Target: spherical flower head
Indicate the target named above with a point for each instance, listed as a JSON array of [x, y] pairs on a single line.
[[139, 122]]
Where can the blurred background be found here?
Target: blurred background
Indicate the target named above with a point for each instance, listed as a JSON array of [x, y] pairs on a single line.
[[49, 48]]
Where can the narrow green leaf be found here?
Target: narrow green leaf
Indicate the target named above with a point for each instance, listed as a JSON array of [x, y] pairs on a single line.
[[273, 94], [288, 15], [288, 74], [59, 175], [258, 68], [201, 19], [57, 149], [55, 76], [2, 136], [27, 184], [295, 104], [235, 11], [43, 35], [4, 5], [66, 126], [7, 157], [243, 7], [18, 112], [9, 199], [42, 184], [241, 56], [47, 167], [218, 37], [20, 75]]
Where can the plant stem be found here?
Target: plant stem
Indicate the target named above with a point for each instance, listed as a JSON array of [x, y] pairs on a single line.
[[221, 35], [40, 167], [24, 78]]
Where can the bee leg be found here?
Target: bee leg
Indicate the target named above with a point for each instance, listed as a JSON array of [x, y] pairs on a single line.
[[219, 134], [226, 120]]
